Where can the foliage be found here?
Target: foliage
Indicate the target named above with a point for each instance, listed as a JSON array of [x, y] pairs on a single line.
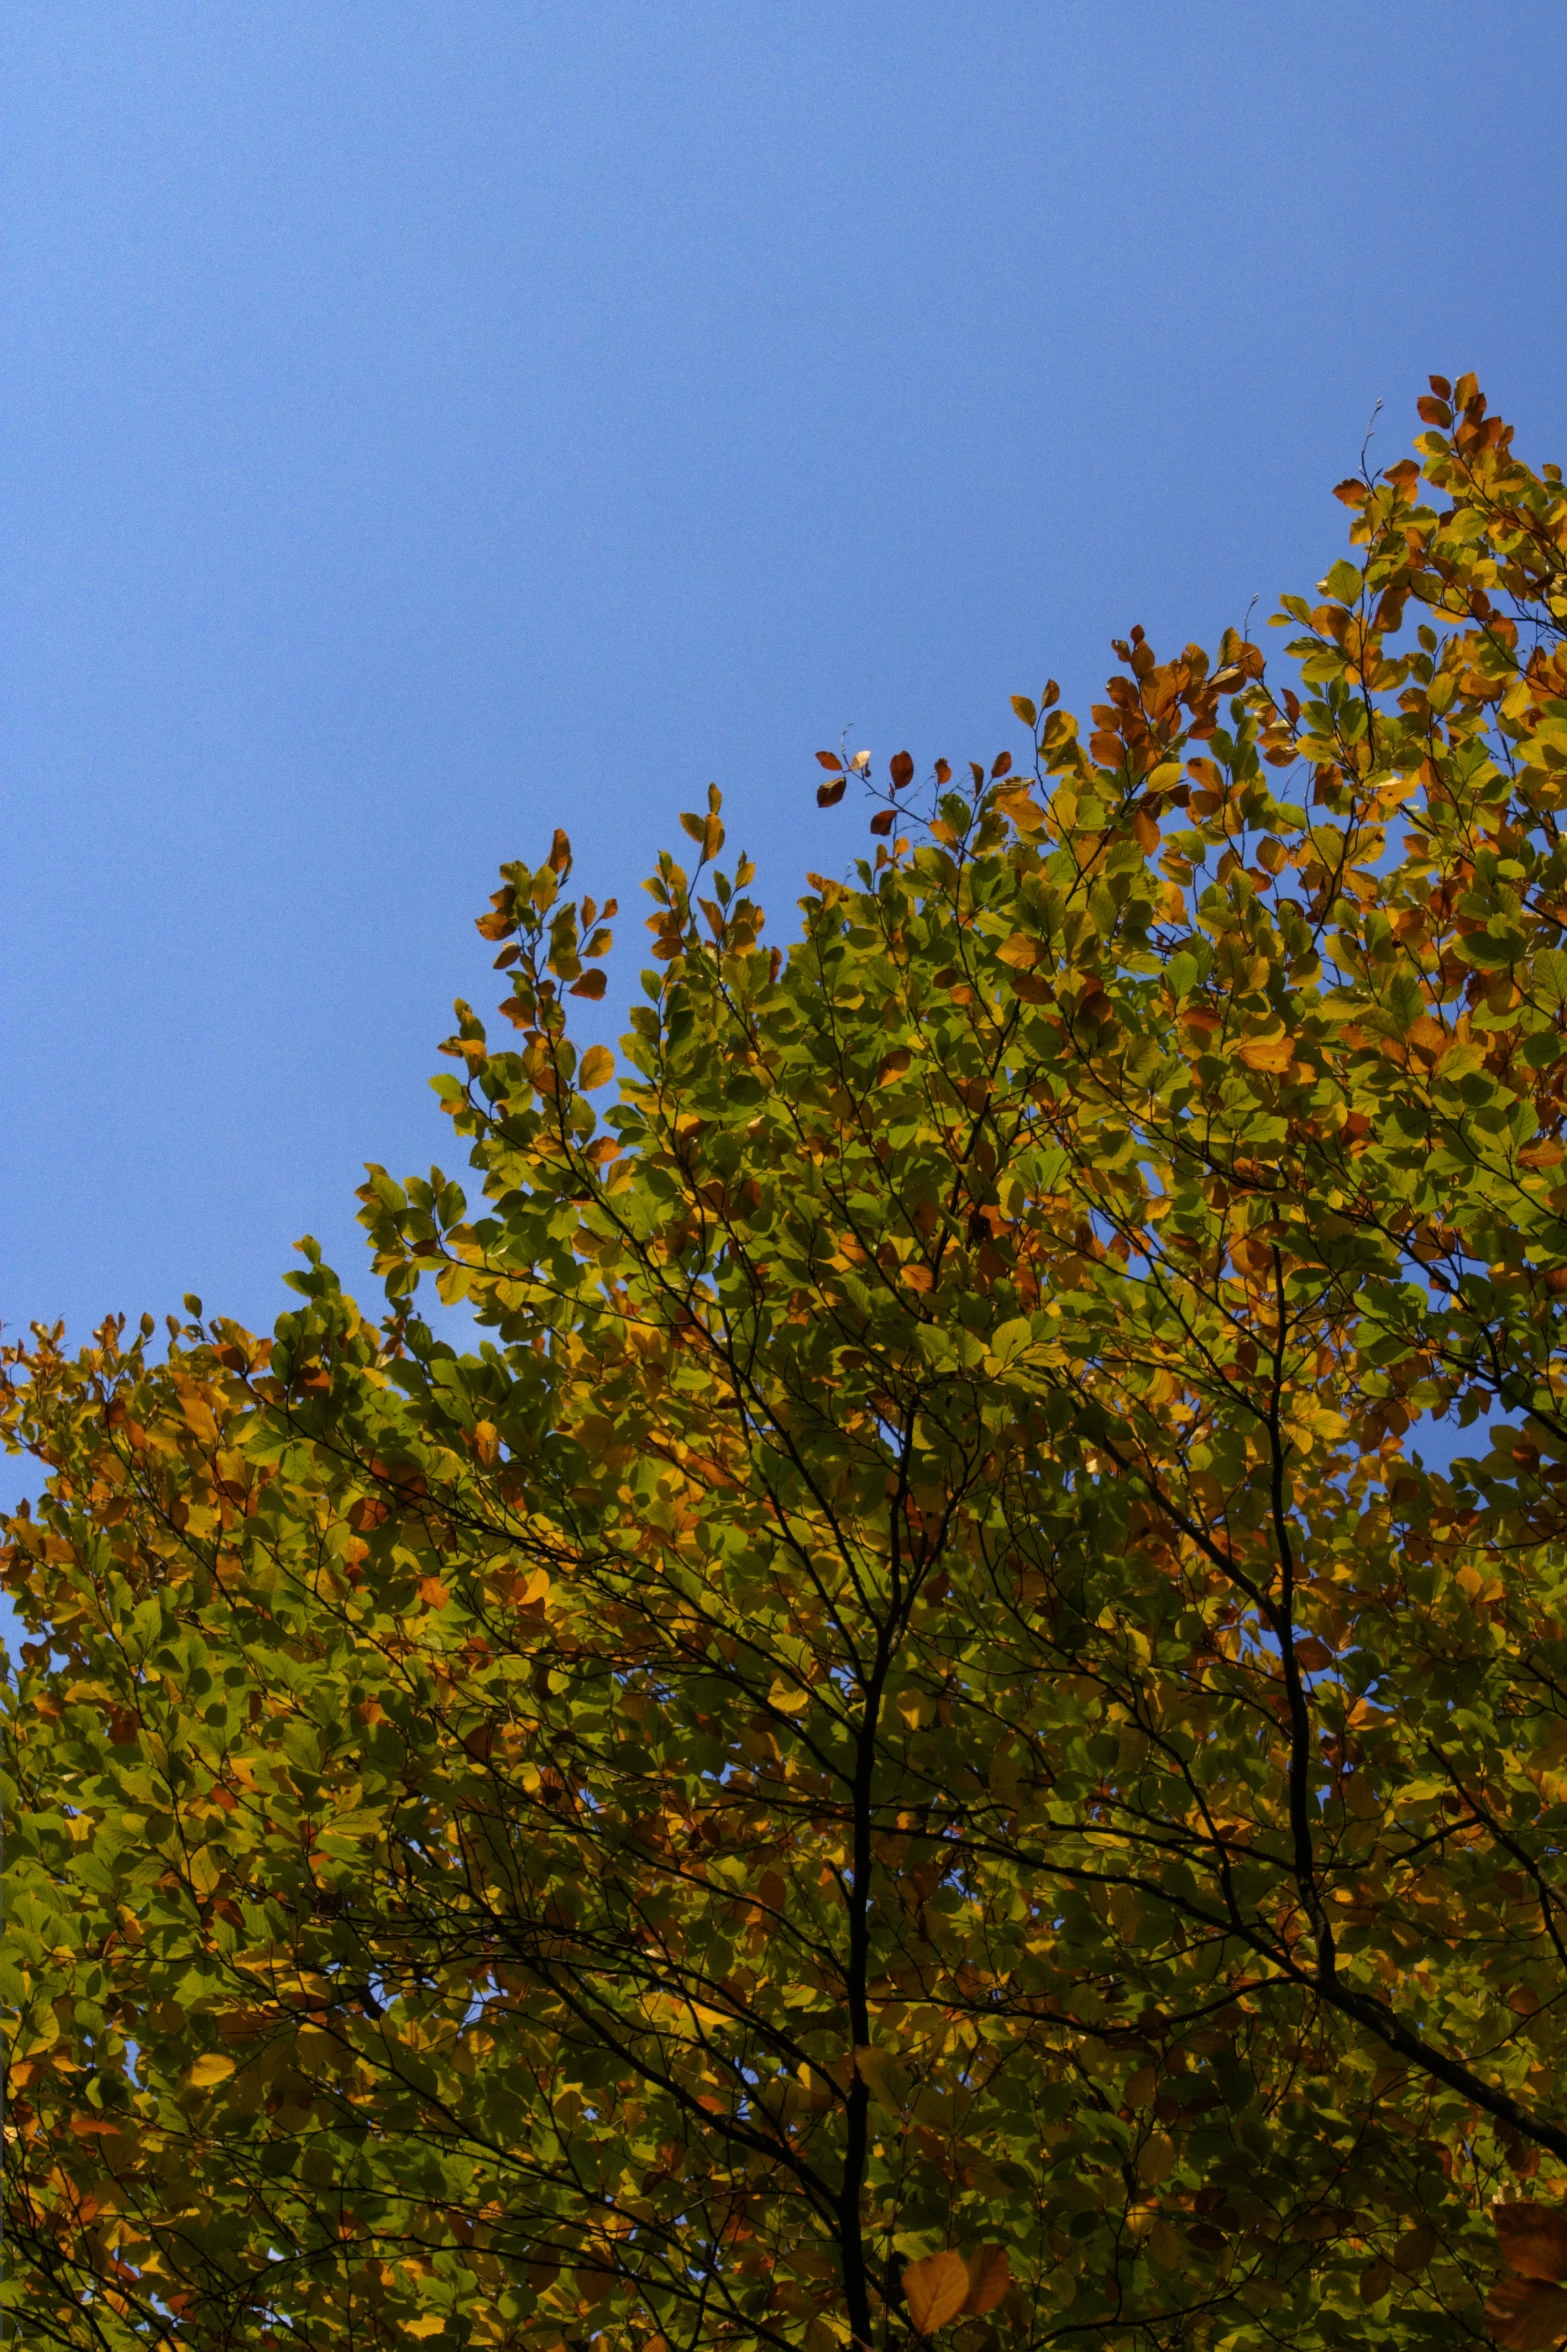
[[908, 1745]]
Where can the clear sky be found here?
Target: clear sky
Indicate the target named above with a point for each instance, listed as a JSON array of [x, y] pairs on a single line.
[[426, 425]]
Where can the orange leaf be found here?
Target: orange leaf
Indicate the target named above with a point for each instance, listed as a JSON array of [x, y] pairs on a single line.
[[936, 2289], [989, 2276], [591, 985], [597, 1065], [830, 759], [1533, 2239], [197, 1413], [1023, 810], [1266, 1053], [1526, 2315]]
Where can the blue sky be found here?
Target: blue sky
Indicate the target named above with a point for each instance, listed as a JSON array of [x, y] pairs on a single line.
[[423, 426]]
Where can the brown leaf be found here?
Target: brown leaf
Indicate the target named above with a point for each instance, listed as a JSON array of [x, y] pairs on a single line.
[[989, 2276], [936, 2289], [1533, 2239], [1375, 2281], [560, 852], [830, 759], [591, 985], [1526, 2315], [901, 770], [882, 821], [827, 795]]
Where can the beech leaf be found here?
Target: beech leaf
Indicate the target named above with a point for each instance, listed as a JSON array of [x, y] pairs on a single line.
[[935, 2290], [1533, 2239]]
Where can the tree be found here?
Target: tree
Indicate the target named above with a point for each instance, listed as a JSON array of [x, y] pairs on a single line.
[[910, 1746]]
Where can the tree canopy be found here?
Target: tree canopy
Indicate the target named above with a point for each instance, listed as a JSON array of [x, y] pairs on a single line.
[[907, 1744]]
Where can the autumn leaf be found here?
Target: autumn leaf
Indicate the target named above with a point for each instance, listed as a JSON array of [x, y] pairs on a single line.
[[1271, 1054], [989, 2276], [1533, 2239], [1526, 2315], [935, 2289]]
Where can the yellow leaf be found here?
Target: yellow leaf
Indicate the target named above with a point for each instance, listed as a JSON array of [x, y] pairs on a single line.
[[598, 1065], [206, 1872], [213, 2068], [430, 2324], [1157, 2160], [1272, 1054], [197, 1413], [936, 2289], [788, 1697], [1008, 1342], [1022, 808], [1021, 952]]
